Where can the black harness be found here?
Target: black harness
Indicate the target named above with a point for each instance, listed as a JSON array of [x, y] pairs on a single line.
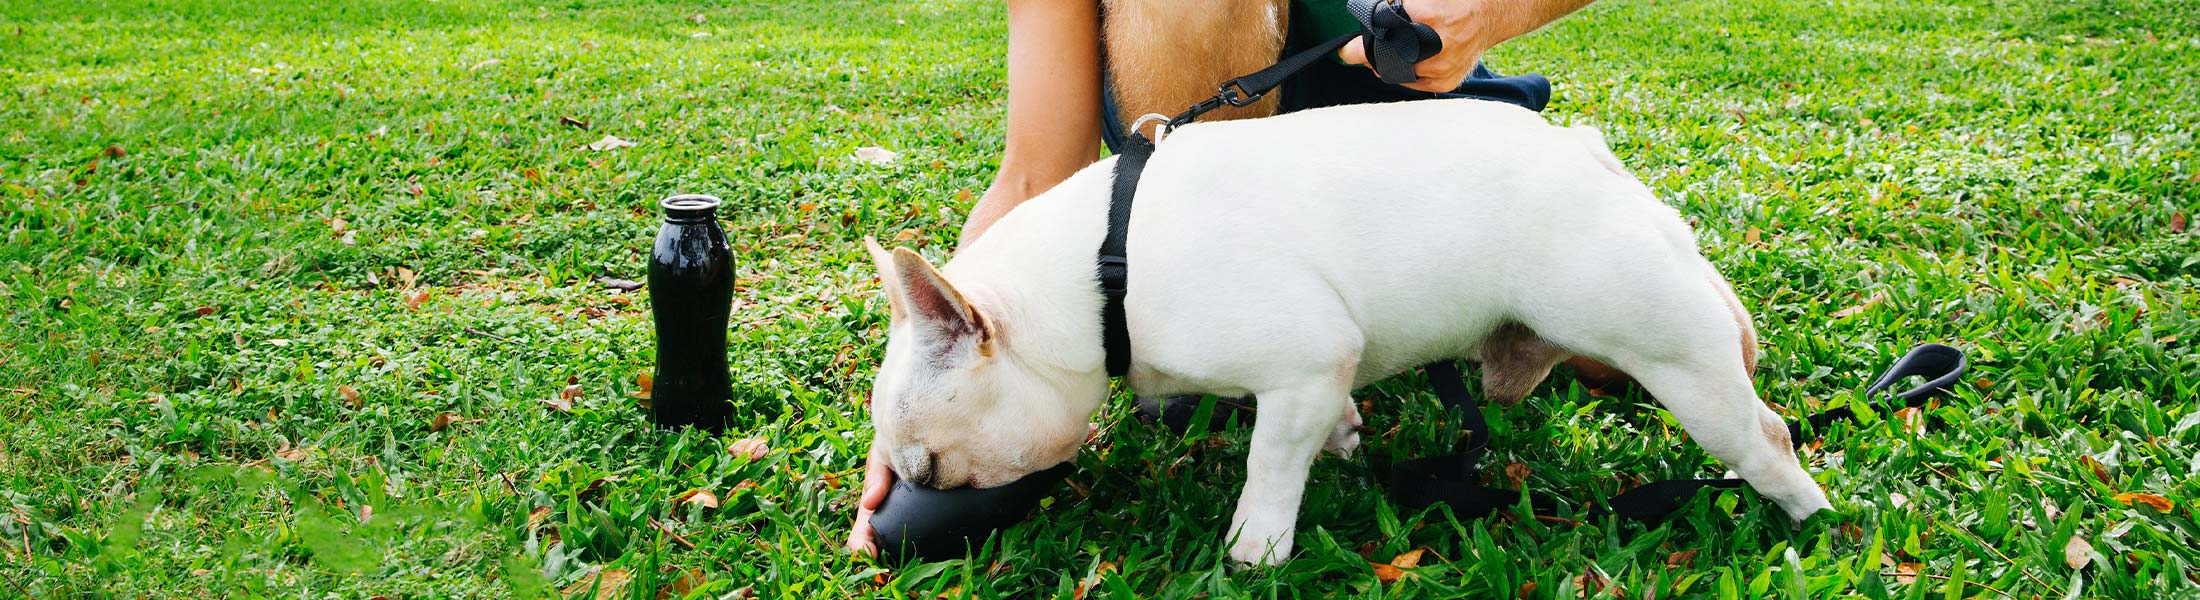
[[1393, 43]]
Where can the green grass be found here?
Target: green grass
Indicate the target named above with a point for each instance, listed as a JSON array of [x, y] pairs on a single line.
[[179, 309]]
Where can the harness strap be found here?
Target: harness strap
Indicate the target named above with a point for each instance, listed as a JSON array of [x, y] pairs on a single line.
[[1449, 479], [1114, 268]]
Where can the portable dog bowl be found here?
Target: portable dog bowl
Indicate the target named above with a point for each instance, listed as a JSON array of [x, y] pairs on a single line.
[[915, 520]]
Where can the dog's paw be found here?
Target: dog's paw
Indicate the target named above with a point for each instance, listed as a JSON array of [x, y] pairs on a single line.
[[1261, 550]]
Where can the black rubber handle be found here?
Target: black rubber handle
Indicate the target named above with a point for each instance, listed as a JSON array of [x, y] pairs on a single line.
[[1392, 41], [915, 520], [1942, 366]]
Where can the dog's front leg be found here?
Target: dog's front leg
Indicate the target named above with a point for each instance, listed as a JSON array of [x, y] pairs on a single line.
[[1294, 424]]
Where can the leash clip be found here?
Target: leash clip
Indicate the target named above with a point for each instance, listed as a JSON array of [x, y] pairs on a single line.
[[1165, 125]]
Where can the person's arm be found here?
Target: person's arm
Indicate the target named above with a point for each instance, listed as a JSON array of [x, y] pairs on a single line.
[[1053, 130], [1469, 29], [1053, 104]]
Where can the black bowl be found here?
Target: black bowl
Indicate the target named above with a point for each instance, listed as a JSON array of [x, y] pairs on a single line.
[[915, 520]]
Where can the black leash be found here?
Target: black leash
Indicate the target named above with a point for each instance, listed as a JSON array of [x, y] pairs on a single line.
[[1450, 479]]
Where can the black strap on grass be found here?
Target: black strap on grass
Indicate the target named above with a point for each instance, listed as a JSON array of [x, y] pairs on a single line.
[[1451, 479], [1393, 39]]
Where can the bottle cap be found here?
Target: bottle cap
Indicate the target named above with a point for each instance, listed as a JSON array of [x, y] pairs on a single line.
[[690, 207]]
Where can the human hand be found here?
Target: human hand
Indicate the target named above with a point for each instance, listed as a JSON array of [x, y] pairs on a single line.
[[1466, 34], [878, 478]]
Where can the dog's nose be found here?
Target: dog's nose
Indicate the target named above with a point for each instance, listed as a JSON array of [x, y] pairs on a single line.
[[931, 469], [921, 472]]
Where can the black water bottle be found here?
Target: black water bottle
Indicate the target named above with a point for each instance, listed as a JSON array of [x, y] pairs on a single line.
[[690, 293]]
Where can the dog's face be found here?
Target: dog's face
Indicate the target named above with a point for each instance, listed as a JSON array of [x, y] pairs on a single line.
[[952, 406]]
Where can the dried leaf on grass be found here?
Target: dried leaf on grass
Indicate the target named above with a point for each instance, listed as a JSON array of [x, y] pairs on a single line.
[[2159, 503], [1681, 559], [2099, 470], [697, 498], [2077, 552], [876, 155], [609, 142], [1386, 573], [1860, 308], [686, 581], [1408, 559], [1907, 572], [603, 585], [753, 448], [349, 396], [443, 421]]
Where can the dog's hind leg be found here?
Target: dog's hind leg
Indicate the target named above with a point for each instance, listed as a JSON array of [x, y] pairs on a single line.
[[1674, 333]]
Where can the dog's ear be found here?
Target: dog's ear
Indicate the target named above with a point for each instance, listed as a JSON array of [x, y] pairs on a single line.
[[887, 277], [925, 295]]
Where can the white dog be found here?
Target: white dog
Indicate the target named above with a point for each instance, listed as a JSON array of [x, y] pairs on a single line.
[[1295, 258]]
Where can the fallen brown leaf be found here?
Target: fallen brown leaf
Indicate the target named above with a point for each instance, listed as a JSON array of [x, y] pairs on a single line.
[[442, 421], [1752, 236], [1408, 559], [1592, 582], [1860, 308], [2177, 222], [1386, 573], [595, 486], [1907, 572], [624, 285], [560, 404], [2077, 552], [876, 155], [697, 497], [572, 122], [1516, 473], [1680, 559], [753, 448], [2159, 503], [680, 586], [609, 142], [603, 585], [350, 396], [537, 515], [293, 454], [2099, 470]]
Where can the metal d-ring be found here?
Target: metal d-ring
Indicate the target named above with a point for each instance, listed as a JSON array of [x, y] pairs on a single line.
[[1162, 130]]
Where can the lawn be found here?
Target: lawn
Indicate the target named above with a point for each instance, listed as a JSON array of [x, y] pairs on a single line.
[[303, 301]]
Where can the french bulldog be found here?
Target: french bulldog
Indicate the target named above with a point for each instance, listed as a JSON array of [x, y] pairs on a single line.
[[1298, 257]]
